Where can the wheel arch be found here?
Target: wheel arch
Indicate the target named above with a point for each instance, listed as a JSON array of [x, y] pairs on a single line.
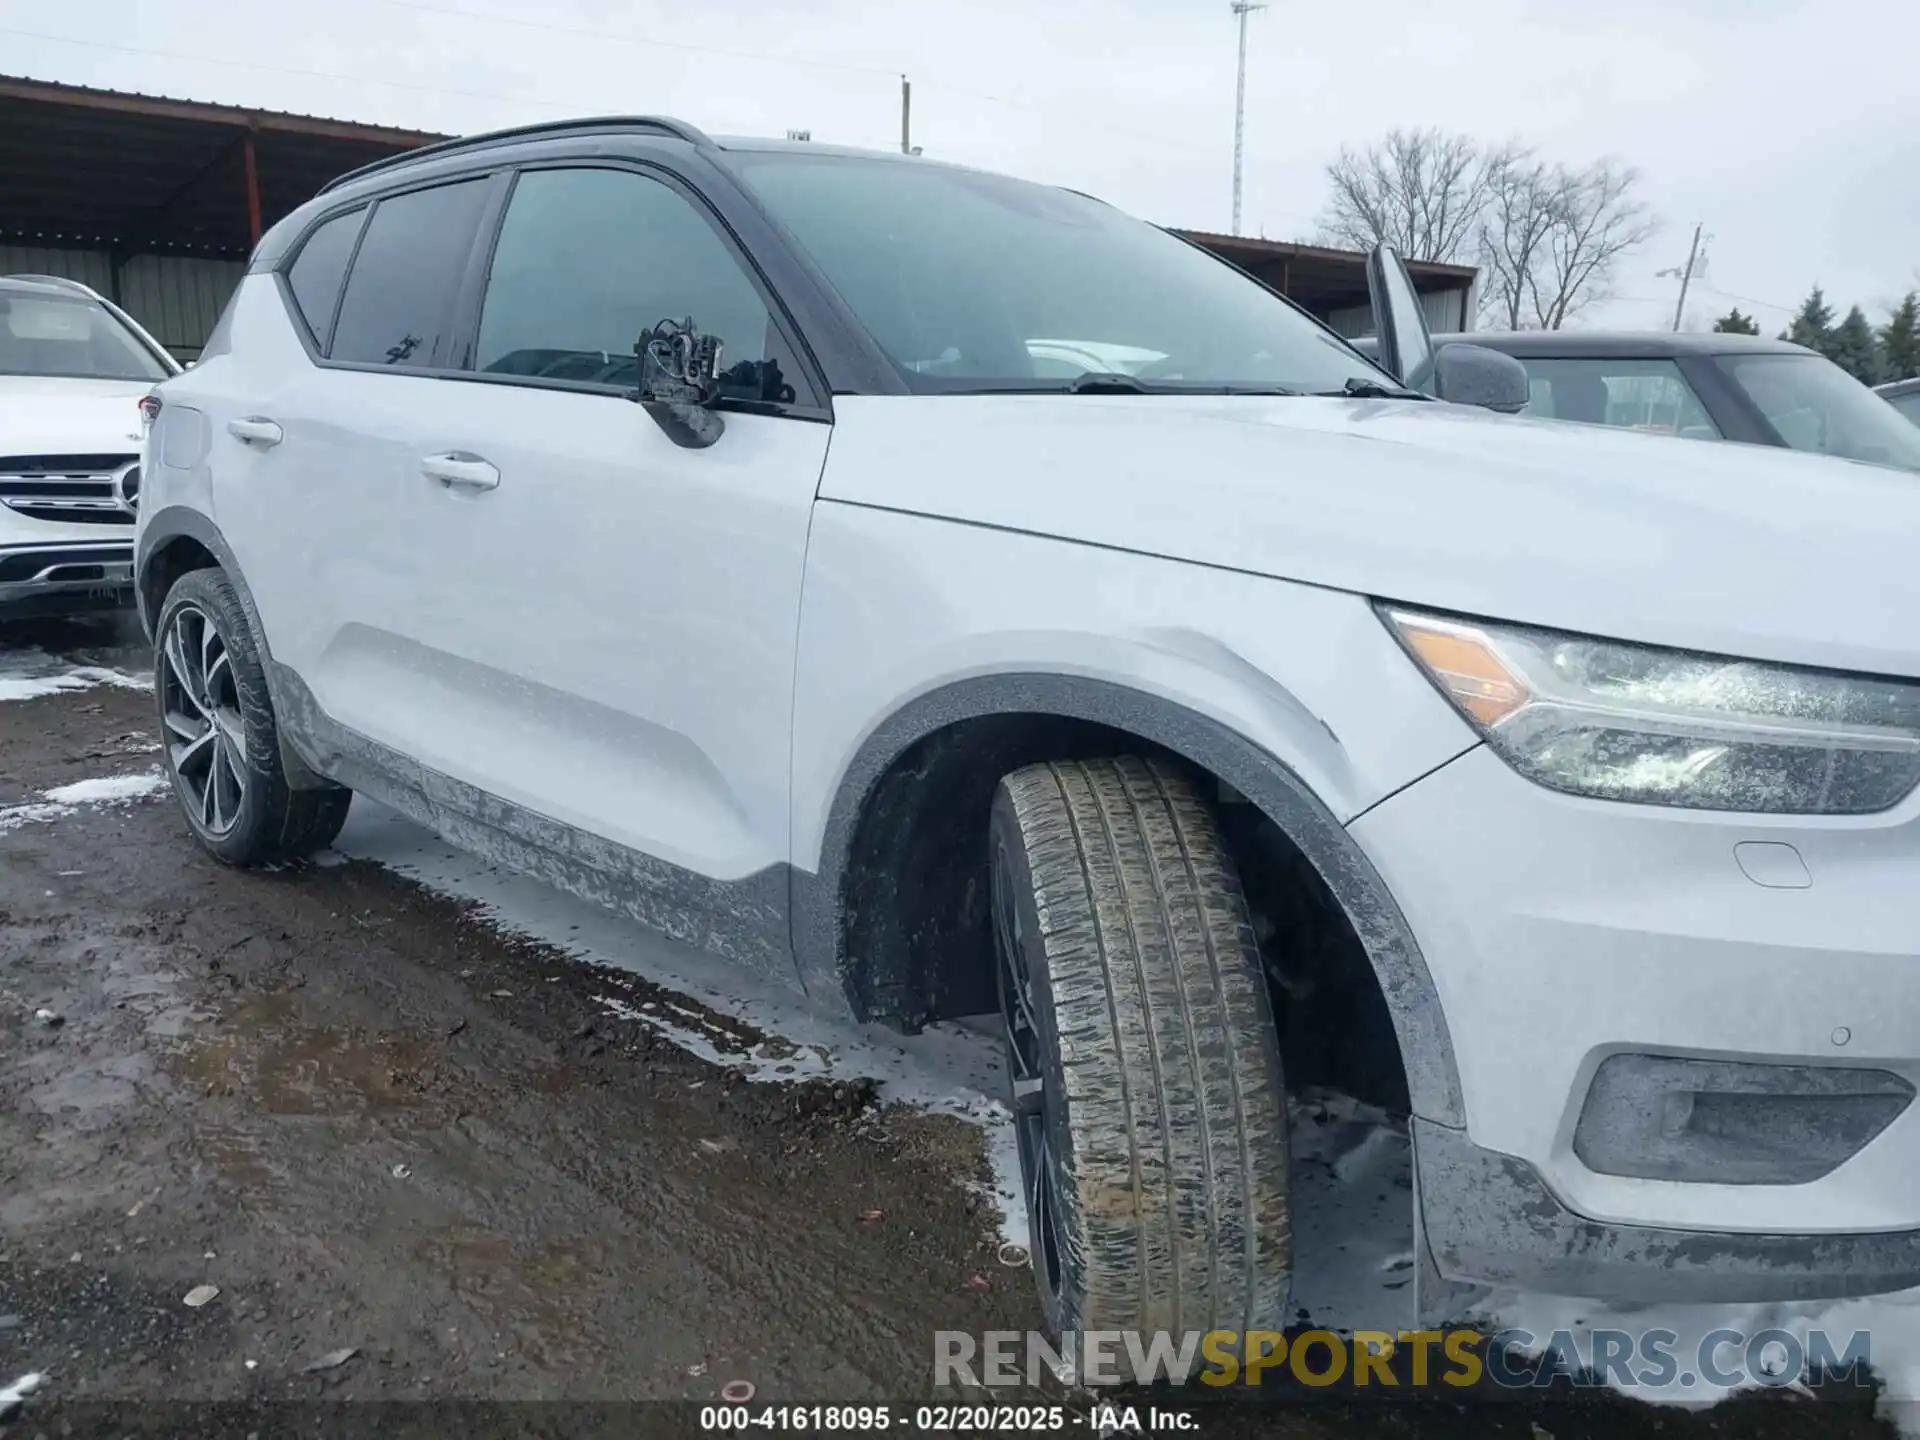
[[827, 911], [177, 539]]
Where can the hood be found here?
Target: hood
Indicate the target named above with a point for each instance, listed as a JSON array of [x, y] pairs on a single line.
[[1735, 549], [43, 415]]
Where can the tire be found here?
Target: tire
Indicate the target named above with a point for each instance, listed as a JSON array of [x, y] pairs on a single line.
[[219, 738], [1154, 1149]]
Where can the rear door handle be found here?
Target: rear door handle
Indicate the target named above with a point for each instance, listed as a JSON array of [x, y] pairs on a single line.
[[256, 430], [461, 468]]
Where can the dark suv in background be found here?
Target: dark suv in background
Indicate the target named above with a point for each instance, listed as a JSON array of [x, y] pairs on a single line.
[[1704, 387]]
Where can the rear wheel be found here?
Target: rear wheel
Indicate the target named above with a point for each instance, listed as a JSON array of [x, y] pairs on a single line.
[[221, 744], [1146, 1083]]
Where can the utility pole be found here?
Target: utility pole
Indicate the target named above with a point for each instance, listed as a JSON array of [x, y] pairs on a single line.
[[906, 116], [1242, 9], [1686, 277]]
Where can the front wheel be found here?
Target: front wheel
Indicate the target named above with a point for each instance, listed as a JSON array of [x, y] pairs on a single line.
[[221, 744], [1146, 1084]]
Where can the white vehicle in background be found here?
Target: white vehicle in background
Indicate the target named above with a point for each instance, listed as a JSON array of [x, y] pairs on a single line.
[[73, 369], [693, 524], [1904, 396]]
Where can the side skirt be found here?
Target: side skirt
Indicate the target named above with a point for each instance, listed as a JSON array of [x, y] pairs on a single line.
[[744, 921]]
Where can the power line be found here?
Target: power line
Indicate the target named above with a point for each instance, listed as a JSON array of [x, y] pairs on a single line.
[[1145, 137], [629, 39], [283, 69], [1729, 295], [804, 62]]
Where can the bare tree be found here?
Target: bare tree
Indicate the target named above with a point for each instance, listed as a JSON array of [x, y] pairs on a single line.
[[1550, 237], [1598, 220], [1420, 191], [1514, 228]]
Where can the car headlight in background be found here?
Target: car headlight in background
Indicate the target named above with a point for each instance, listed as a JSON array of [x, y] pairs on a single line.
[[1671, 727]]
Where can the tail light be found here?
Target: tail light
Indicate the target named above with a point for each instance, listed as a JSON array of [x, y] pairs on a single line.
[[149, 409]]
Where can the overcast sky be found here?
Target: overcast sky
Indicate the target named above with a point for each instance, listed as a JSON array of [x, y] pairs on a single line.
[[1791, 128]]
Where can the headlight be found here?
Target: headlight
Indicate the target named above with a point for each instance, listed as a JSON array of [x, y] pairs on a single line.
[[1672, 727]]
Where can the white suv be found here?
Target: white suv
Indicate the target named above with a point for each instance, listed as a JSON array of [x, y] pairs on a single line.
[[1555, 786], [73, 368]]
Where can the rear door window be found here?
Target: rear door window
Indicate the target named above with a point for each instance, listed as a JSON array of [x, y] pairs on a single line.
[[1633, 394], [317, 271], [398, 308]]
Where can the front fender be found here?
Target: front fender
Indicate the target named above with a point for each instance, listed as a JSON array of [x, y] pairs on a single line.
[[1296, 697]]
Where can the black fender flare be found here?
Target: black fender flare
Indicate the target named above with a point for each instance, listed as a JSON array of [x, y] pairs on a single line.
[[177, 522], [1419, 1022]]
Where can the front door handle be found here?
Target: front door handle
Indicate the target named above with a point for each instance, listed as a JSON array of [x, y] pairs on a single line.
[[256, 430], [462, 469]]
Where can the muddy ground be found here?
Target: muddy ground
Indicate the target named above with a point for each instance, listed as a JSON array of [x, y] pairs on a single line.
[[376, 1123]]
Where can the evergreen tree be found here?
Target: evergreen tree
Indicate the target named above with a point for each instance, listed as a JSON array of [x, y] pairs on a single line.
[[1855, 350], [1900, 340], [1813, 326], [1734, 323]]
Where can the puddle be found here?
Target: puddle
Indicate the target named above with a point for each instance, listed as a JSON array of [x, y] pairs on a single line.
[[291, 1069], [88, 1087]]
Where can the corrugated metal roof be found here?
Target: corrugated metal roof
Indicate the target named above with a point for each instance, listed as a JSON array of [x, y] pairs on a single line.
[[121, 171], [1289, 249], [55, 90]]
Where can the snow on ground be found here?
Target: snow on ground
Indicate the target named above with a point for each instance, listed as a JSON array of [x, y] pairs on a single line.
[[1352, 1165], [952, 1069], [1352, 1178], [13, 1394], [30, 674], [108, 789], [63, 800]]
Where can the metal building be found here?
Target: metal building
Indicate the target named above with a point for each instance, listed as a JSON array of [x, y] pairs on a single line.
[[155, 202], [1332, 284]]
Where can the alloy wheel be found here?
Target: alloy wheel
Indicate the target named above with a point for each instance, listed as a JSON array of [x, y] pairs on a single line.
[[206, 737], [1027, 1070]]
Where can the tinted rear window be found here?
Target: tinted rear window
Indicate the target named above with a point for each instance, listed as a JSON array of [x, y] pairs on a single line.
[[1632, 394], [400, 295], [322, 264]]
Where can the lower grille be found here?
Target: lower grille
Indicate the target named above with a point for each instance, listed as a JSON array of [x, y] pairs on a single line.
[[27, 564]]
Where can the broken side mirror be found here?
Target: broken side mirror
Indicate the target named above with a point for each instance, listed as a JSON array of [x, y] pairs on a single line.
[[679, 382], [1469, 374]]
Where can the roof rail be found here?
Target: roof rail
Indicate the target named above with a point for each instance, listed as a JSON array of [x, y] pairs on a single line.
[[61, 281], [658, 124]]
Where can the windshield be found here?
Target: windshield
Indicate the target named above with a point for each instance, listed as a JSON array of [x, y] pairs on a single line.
[[69, 337], [1815, 405], [976, 282]]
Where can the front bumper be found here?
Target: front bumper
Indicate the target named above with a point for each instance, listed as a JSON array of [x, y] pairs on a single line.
[[1562, 932], [1489, 1219], [64, 579]]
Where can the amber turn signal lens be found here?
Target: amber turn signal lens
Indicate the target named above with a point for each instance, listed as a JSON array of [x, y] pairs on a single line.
[[1467, 666]]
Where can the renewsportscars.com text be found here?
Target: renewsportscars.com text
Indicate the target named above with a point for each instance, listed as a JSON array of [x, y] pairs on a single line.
[[1459, 1359]]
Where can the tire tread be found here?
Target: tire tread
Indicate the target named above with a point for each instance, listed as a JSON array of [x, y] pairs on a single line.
[[1178, 1170]]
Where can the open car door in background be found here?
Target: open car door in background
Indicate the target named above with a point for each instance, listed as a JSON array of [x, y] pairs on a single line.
[[1406, 346]]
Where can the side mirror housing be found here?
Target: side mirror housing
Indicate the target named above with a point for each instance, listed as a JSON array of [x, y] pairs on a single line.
[[679, 381], [1474, 375]]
